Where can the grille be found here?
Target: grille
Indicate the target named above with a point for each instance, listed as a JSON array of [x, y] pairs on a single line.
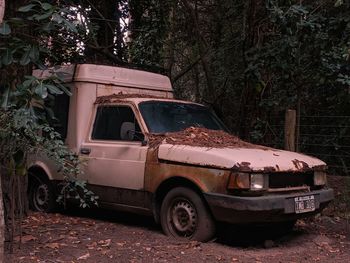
[[286, 180]]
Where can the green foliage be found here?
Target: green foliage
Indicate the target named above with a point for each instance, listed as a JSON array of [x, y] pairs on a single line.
[[24, 42], [252, 60], [150, 28], [40, 28]]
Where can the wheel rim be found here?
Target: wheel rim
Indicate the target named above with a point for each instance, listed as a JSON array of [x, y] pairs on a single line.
[[41, 197], [183, 218]]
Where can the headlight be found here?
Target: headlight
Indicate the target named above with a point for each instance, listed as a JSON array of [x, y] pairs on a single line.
[[320, 178], [246, 181], [258, 182]]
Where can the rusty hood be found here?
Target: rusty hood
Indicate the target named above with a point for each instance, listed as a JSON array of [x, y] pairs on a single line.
[[241, 159]]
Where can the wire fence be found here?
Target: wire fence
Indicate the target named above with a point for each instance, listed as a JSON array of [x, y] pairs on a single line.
[[327, 137], [323, 136]]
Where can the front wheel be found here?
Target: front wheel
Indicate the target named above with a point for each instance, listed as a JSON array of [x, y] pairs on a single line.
[[184, 215], [41, 195]]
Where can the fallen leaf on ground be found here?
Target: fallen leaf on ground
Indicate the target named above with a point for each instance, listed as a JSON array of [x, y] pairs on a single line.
[[25, 238], [53, 245], [93, 245], [83, 257], [105, 243], [121, 243], [34, 218]]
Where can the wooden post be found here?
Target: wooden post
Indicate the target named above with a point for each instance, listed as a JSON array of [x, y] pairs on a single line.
[[289, 130], [2, 10]]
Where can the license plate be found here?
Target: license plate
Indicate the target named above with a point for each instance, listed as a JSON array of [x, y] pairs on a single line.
[[304, 204]]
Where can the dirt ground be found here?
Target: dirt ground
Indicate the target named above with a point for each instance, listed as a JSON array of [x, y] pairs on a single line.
[[105, 236]]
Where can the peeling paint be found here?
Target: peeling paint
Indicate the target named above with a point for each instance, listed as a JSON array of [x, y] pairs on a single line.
[[238, 159], [207, 179], [301, 165]]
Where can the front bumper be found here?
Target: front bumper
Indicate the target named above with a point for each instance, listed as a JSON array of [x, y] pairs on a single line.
[[261, 209]]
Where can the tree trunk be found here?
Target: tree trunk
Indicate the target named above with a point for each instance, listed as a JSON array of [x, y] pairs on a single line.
[[2, 223], [2, 10]]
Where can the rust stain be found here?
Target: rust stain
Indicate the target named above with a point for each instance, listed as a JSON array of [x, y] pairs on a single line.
[[208, 180], [301, 165], [122, 97], [242, 167]]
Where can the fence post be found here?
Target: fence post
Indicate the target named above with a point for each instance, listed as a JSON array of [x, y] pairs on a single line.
[[289, 130]]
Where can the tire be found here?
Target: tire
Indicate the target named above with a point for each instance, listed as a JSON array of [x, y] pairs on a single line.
[[184, 215], [41, 194]]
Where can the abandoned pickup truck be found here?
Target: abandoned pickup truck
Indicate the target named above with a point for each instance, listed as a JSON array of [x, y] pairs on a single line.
[[148, 153]]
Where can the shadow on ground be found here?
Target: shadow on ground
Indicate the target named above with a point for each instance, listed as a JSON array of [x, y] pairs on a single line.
[[256, 236], [230, 235]]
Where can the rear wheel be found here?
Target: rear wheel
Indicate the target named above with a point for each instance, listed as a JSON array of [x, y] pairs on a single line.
[[41, 194], [184, 215]]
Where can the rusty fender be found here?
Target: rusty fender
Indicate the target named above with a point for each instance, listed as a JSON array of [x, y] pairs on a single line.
[[207, 179]]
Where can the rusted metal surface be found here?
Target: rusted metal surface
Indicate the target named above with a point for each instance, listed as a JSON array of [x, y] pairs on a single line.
[[207, 180], [239, 159], [290, 189], [120, 97], [301, 165], [242, 167]]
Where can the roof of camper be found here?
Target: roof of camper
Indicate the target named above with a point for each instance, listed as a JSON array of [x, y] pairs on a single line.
[[109, 75]]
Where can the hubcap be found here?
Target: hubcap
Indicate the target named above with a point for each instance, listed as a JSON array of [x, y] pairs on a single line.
[[183, 218], [41, 197]]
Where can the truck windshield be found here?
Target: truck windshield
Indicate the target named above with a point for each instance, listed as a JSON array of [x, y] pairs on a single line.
[[162, 116]]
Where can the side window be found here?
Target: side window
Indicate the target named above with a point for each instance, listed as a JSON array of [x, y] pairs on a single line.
[[116, 123], [58, 117]]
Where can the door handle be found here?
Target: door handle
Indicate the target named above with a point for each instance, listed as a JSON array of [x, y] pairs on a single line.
[[85, 151]]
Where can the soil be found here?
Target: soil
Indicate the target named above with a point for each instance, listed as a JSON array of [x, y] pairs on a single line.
[[201, 137], [81, 235]]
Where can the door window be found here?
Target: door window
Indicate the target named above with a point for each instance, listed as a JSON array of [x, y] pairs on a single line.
[[116, 123]]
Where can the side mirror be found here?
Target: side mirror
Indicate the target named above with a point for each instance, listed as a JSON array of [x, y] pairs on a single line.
[[127, 131]]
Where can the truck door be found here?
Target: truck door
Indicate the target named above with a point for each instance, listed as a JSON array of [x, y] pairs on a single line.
[[115, 157]]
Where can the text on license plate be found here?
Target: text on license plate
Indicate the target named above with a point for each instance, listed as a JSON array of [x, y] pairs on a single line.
[[304, 204]]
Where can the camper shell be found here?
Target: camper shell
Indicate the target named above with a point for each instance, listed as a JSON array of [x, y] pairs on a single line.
[[136, 164]]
